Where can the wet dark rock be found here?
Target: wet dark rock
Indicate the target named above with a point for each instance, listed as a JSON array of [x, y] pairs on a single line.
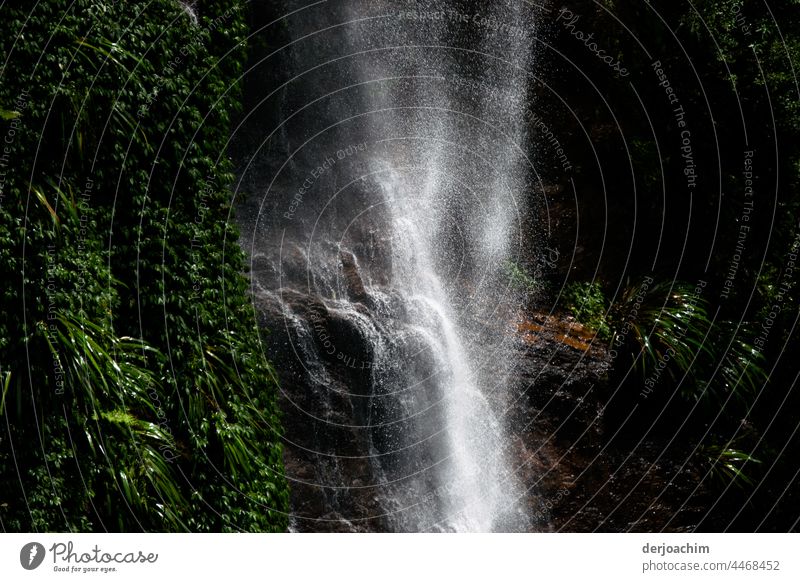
[[352, 277], [582, 475], [576, 475]]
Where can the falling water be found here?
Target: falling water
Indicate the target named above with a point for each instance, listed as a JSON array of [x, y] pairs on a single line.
[[392, 192]]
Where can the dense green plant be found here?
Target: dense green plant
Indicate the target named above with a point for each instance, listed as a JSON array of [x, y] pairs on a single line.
[[664, 331], [669, 321], [730, 465], [122, 231], [111, 386], [668, 332], [587, 303], [520, 279]]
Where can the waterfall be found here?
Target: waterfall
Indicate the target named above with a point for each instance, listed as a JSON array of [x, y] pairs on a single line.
[[392, 194]]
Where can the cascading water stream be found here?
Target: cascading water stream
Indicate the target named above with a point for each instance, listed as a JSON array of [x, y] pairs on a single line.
[[379, 248], [474, 460]]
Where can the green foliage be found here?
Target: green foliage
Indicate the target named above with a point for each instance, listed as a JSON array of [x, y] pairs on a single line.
[[6, 382], [587, 303], [741, 369], [128, 344], [729, 465], [732, 66], [670, 317], [111, 385], [666, 326], [520, 279]]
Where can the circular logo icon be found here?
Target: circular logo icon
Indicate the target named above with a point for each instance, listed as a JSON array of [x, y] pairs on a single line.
[[31, 555]]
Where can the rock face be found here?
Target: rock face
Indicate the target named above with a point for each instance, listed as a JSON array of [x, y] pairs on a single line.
[[575, 475], [327, 455], [352, 277], [583, 475]]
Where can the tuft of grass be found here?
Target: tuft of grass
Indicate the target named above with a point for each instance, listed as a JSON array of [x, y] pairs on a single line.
[[520, 279], [669, 323], [587, 303], [109, 379], [730, 465], [6, 384]]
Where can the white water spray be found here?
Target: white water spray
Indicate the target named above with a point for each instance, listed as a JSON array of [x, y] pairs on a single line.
[[407, 242]]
